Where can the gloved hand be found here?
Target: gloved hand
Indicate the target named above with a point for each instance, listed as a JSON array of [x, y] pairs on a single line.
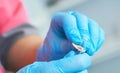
[[72, 64], [67, 28]]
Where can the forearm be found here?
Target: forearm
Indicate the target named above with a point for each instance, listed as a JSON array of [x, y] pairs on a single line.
[[19, 46], [23, 52]]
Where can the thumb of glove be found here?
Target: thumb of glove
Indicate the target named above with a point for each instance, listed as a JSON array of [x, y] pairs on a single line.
[[71, 64], [71, 53]]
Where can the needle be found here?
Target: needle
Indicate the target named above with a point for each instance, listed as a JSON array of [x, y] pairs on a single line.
[[79, 48]]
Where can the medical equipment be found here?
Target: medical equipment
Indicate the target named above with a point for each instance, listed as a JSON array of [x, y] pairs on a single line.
[[79, 48]]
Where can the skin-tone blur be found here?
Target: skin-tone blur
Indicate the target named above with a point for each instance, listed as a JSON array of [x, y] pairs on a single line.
[[23, 52]]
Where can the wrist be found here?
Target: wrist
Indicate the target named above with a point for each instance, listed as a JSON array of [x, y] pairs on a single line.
[[23, 52]]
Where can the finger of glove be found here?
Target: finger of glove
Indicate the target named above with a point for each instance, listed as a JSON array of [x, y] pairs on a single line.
[[85, 71], [73, 64], [69, 25], [94, 36], [39, 67], [82, 24], [101, 39], [72, 53], [65, 65]]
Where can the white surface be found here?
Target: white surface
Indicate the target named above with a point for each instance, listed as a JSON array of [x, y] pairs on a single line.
[[107, 66]]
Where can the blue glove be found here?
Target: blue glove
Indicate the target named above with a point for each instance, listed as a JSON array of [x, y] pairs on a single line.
[[73, 64], [67, 28]]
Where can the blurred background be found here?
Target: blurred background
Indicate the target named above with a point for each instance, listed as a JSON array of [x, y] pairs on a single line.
[[105, 12]]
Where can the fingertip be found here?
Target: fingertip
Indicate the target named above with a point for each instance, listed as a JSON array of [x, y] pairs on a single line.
[[90, 51], [83, 60], [87, 59]]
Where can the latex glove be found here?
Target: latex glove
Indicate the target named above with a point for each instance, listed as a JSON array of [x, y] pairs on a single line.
[[73, 64], [67, 28]]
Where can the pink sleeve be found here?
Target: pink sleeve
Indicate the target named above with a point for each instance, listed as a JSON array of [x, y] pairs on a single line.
[[12, 14], [1, 70]]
